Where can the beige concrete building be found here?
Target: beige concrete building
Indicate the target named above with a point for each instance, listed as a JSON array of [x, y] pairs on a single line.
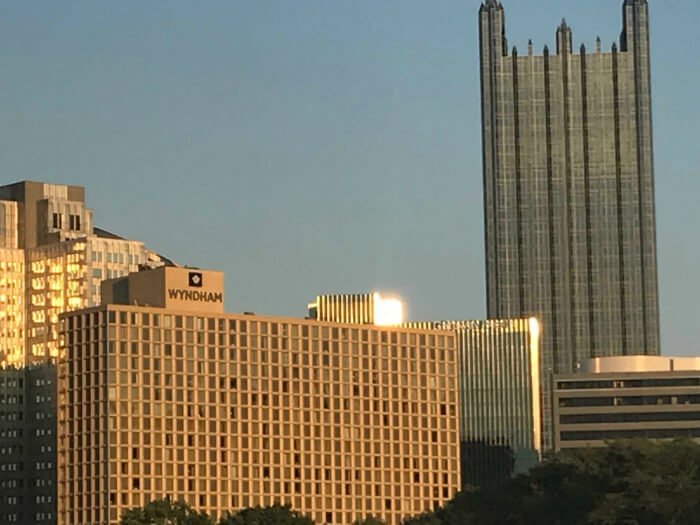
[[627, 397], [52, 260], [228, 411]]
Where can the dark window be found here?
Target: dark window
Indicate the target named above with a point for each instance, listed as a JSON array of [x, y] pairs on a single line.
[[629, 383], [629, 418], [601, 435], [586, 402]]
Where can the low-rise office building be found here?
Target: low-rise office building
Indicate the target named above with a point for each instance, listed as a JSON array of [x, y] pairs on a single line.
[[627, 397], [175, 398]]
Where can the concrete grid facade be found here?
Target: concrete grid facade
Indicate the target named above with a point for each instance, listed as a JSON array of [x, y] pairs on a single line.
[[12, 482], [230, 411], [569, 191], [28, 445]]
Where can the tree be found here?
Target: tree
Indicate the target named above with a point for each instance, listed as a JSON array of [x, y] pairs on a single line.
[[370, 520], [485, 463], [274, 515], [423, 519], [631, 482], [655, 483], [164, 512]]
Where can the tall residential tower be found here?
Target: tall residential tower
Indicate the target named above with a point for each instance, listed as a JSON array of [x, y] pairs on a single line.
[[569, 191], [52, 260]]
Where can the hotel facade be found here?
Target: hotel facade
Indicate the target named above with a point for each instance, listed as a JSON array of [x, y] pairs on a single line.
[[224, 411]]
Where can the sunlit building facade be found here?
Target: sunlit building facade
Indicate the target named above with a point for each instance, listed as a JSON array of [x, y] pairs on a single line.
[[499, 397], [12, 306], [226, 411], [498, 376], [52, 260], [367, 308]]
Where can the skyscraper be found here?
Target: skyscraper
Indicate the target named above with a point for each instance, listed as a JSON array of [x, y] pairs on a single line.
[[627, 397], [569, 191]]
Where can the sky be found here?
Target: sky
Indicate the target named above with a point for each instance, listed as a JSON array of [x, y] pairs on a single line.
[[315, 146]]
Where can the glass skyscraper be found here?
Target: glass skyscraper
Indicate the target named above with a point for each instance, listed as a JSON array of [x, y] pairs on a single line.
[[569, 191], [499, 397]]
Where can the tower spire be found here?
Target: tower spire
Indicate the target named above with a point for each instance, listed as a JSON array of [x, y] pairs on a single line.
[[564, 37]]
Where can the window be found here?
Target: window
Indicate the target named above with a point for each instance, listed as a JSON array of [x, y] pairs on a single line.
[[74, 222]]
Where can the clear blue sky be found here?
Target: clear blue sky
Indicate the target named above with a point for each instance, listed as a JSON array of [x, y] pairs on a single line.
[[308, 146]]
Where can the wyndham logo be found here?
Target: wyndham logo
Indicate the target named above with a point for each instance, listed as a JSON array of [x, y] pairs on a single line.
[[195, 279], [196, 295]]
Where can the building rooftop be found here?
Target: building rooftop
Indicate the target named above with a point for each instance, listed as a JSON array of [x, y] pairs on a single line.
[[639, 363]]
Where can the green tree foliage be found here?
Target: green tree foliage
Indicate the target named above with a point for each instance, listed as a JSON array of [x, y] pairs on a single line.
[[371, 520], [626, 483], [423, 519], [274, 515], [163, 512]]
